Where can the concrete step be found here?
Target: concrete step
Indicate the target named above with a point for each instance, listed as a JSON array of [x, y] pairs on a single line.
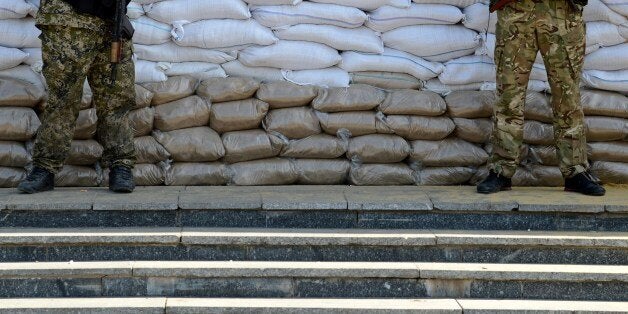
[[303, 306], [406, 207], [110, 244], [313, 280]]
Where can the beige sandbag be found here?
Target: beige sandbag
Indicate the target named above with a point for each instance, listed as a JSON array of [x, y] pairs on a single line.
[[604, 103], [444, 175], [384, 174], [87, 97], [183, 113], [474, 130], [274, 171], [322, 171], [294, 123], [470, 104], [142, 121], [286, 94], [84, 153], [188, 173], [386, 80], [357, 97], [13, 154], [18, 124], [149, 151], [250, 145], [143, 97], [538, 175], [86, 124], [10, 177], [413, 102], [76, 176], [356, 123], [319, 146], [197, 144], [447, 153], [176, 87], [537, 107], [420, 128], [378, 148], [544, 155], [603, 129], [228, 89], [538, 133], [148, 175], [608, 151], [611, 172], [18, 93], [237, 115]]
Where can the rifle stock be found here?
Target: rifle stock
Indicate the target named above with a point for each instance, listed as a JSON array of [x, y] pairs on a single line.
[[116, 43]]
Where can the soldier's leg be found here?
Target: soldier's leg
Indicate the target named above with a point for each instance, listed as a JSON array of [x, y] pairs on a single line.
[[113, 103], [67, 54], [515, 51], [562, 43]]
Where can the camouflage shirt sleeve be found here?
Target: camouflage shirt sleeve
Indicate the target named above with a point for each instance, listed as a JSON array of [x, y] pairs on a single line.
[[60, 13]]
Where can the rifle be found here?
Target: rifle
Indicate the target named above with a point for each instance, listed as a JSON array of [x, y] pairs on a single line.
[[500, 4], [116, 43]]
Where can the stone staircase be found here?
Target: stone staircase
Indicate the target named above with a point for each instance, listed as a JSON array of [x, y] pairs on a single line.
[[313, 250]]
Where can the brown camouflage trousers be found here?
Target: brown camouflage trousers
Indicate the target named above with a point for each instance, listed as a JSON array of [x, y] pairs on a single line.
[[70, 55], [558, 31]]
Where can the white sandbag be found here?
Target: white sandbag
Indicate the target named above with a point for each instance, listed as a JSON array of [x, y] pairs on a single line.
[[199, 70], [608, 59], [477, 17], [150, 32], [596, 10], [15, 9], [290, 55], [607, 80], [618, 6], [308, 13], [457, 3], [263, 74], [604, 34], [330, 77], [19, 33], [148, 72], [171, 52], [367, 5], [388, 17], [390, 61], [134, 10], [273, 2], [11, 57], [34, 57], [436, 86], [223, 34], [169, 11], [340, 38], [467, 70], [433, 42]]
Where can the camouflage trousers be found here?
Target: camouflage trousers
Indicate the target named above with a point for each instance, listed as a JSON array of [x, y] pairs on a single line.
[[556, 29], [70, 56]]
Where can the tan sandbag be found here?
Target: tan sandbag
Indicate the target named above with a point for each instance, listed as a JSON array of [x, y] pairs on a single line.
[[294, 123], [381, 174], [273, 171], [237, 115], [18, 93], [143, 97], [447, 153], [84, 153], [604, 103], [357, 123], [538, 107], [142, 121], [603, 129], [13, 154], [176, 87], [76, 176], [322, 171], [148, 175], [250, 145], [378, 148], [386, 80], [286, 94], [543, 155], [86, 124], [474, 130], [413, 102], [149, 151], [197, 144], [319, 146], [183, 113], [444, 175], [18, 124], [357, 97], [611, 172], [470, 104], [538, 175], [87, 97], [228, 89], [420, 128], [10, 177], [188, 173], [538, 133], [608, 151]]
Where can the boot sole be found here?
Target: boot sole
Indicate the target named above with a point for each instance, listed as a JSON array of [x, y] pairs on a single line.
[[33, 191], [122, 190], [589, 194], [506, 188]]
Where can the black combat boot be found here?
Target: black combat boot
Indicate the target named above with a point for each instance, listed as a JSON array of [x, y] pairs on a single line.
[[121, 180], [494, 183], [584, 183], [38, 180]]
